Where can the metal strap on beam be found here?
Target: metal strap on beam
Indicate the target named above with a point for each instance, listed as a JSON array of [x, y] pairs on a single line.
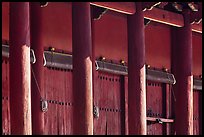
[[64, 61], [58, 60], [111, 68], [153, 75], [160, 76], [5, 53]]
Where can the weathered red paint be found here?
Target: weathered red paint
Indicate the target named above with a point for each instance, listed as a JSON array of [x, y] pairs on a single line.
[[122, 103], [93, 52], [126, 104], [157, 45], [57, 26], [155, 105], [136, 73], [109, 98], [82, 68], [168, 102], [100, 101], [200, 114], [19, 61], [197, 53], [111, 41], [6, 130], [197, 112], [37, 68], [182, 69], [5, 20], [58, 92], [159, 106], [113, 94], [55, 94], [111, 36]]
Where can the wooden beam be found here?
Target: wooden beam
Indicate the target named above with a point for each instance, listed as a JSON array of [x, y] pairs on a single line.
[[197, 27], [149, 5], [163, 16], [157, 15], [122, 7], [196, 16], [154, 119], [162, 4], [169, 18]]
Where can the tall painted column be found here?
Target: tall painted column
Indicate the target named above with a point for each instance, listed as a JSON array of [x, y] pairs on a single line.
[[82, 68], [136, 73], [182, 69], [93, 48], [19, 67], [37, 89], [93, 55]]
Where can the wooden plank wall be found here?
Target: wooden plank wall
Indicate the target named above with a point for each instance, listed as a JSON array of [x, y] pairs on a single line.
[[58, 92], [155, 107], [108, 96], [111, 42], [6, 130], [197, 112]]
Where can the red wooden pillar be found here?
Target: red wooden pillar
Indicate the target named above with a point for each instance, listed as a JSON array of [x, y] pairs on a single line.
[[37, 69], [182, 69], [82, 68], [93, 50], [19, 61], [136, 73]]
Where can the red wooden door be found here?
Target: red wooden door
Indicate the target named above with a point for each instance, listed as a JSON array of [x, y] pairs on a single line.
[[158, 107], [58, 92], [109, 98], [197, 112], [5, 98]]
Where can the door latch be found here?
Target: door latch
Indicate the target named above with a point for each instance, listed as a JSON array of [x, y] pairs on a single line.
[[44, 105], [96, 112], [159, 121]]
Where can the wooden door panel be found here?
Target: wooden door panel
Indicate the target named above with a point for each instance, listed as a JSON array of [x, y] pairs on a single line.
[[58, 92], [5, 99], [107, 96], [197, 112], [155, 107]]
